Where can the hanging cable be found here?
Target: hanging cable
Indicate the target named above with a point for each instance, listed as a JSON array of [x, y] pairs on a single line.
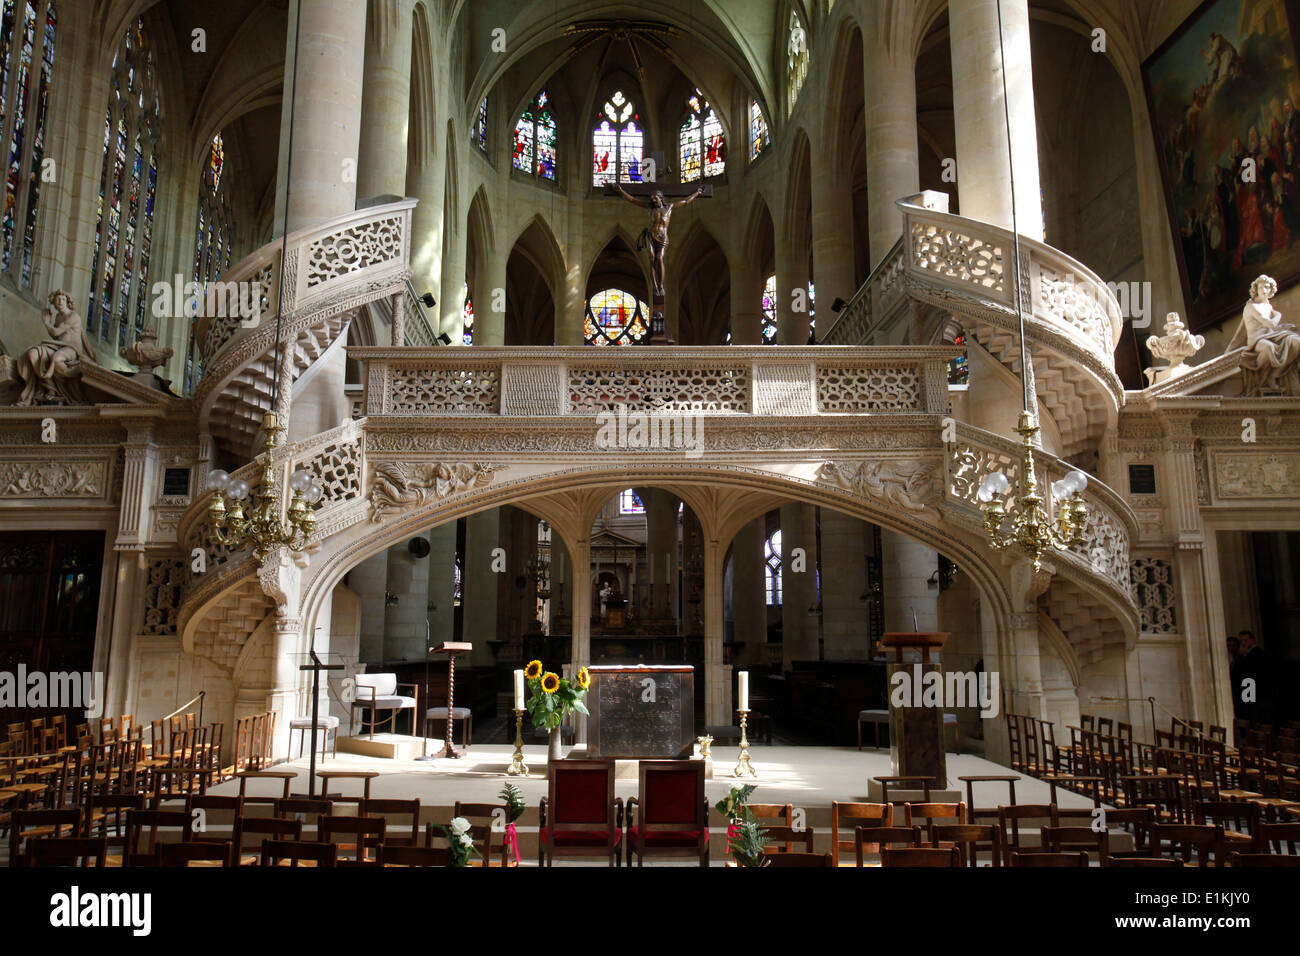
[[1015, 230], [288, 184]]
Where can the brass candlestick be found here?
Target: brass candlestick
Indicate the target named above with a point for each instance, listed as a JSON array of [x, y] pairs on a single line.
[[743, 763], [517, 765]]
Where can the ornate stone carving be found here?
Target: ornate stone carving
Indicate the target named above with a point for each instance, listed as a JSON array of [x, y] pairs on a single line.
[[867, 389], [165, 579], [355, 248], [417, 391], [956, 256], [1074, 302], [398, 486], [907, 484], [719, 388], [337, 467], [1257, 475], [145, 355], [972, 464], [52, 479], [1175, 347], [1271, 360], [50, 371], [1153, 586]]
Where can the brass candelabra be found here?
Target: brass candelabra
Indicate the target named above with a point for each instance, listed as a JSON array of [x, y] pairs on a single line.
[[743, 765], [261, 527], [517, 765], [1032, 528]]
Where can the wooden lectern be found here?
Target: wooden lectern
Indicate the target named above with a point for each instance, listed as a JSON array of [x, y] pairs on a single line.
[[451, 649], [916, 738]]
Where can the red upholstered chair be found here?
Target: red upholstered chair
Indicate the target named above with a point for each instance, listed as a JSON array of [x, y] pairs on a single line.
[[580, 816], [671, 814]]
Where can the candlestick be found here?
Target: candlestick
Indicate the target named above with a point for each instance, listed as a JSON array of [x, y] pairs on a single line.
[[743, 763], [743, 680], [517, 765], [519, 690]]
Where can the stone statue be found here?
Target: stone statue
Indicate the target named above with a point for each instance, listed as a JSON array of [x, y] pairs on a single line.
[[50, 371], [661, 213], [145, 354], [605, 593], [1175, 346], [1271, 361]]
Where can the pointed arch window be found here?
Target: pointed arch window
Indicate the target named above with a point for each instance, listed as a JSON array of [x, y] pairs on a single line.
[[759, 136], [27, 34], [119, 269], [769, 310], [702, 147], [796, 64], [615, 317], [629, 503], [479, 131], [617, 142], [535, 136], [772, 568], [467, 319], [214, 233]]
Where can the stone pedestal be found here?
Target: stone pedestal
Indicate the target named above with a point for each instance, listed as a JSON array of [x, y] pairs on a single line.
[[916, 731]]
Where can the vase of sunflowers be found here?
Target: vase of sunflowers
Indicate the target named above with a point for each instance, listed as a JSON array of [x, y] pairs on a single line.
[[552, 698]]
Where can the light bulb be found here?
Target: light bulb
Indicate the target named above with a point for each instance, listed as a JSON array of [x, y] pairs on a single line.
[[300, 480], [995, 484], [237, 489], [314, 493], [1060, 489], [217, 481], [1076, 481]]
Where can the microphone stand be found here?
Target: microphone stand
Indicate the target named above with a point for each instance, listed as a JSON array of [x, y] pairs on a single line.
[[424, 726]]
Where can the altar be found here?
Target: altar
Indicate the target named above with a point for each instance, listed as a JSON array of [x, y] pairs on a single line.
[[641, 711]]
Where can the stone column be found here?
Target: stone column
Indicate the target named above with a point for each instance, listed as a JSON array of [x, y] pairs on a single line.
[[791, 275], [385, 100], [832, 238], [369, 579], [844, 579], [746, 302], [717, 675], [906, 567], [451, 305], [481, 584], [749, 593], [404, 622], [661, 549], [798, 588], [286, 678], [889, 81], [326, 102], [442, 583], [980, 119], [489, 293]]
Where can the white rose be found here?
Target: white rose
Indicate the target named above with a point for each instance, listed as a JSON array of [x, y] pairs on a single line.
[[466, 840], [459, 826]]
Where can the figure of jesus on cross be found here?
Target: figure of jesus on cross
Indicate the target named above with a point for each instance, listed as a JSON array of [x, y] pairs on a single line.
[[656, 234]]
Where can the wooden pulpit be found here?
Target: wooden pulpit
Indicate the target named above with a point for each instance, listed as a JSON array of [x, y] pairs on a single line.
[[916, 745]]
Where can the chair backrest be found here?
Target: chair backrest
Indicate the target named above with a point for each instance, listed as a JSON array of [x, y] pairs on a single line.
[[968, 837], [799, 859], [387, 809], [176, 824], [1230, 814], [874, 839], [366, 832], [1063, 839], [1277, 838], [303, 808], [1184, 837], [261, 828], [1049, 859], [924, 814], [183, 854], [920, 856], [67, 851], [804, 838], [846, 817], [385, 685], [671, 795], [295, 852], [581, 795], [1009, 821], [1149, 862], [22, 820], [393, 855]]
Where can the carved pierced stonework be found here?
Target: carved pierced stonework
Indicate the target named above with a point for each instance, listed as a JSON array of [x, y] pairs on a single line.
[[720, 388], [907, 484], [953, 255], [416, 391], [1257, 475], [1073, 303], [399, 486], [162, 596], [337, 467], [351, 250], [1153, 586], [866, 389], [972, 464], [52, 479]]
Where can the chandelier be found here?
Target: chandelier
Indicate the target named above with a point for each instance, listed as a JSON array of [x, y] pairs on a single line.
[[262, 527], [1032, 529]]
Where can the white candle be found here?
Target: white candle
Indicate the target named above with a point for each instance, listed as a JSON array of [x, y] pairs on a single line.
[[743, 678], [519, 690]]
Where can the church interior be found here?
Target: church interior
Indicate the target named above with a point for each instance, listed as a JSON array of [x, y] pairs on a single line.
[[387, 476]]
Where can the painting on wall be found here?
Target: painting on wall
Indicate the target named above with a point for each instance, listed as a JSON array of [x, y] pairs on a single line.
[[1223, 92]]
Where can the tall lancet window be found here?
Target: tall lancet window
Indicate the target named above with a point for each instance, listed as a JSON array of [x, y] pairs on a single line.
[[617, 142], [27, 33], [759, 136], [128, 185], [796, 62], [212, 245], [479, 131], [535, 136], [772, 568], [769, 310], [703, 148]]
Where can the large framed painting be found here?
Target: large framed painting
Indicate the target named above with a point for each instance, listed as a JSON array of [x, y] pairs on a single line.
[[1223, 93]]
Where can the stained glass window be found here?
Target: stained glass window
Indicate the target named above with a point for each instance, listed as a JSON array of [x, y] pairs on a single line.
[[796, 58], [759, 137], [479, 132], [629, 503], [769, 309], [467, 319], [703, 148], [119, 276], [772, 567], [214, 234], [959, 368], [535, 135], [27, 33], [617, 142], [615, 317]]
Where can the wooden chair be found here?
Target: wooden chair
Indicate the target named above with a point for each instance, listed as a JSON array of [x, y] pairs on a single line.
[[484, 820], [799, 860], [176, 823], [1206, 840], [970, 838], [366, 832], [580, 815], [31, 825], [303, 808], [1280, 838], [202, 809], [774, 811], [67, 851], [1240, 821], [216, 853], [1014, 743], [1149, 862], [875, 839], [1139, 821], [670, 814], [803, 838], [1057, 839], [1049, 859], [387, 809], [395, 855], [277, 852], [1255, 859], [1009, 823], [924, 815], [920, 857], [845, 817], [261, 827], [926, 783]]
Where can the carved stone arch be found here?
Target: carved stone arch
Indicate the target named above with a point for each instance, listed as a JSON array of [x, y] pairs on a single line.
[[621, 233], [759, 241], [422, 135], [796, 225], [544, 251]]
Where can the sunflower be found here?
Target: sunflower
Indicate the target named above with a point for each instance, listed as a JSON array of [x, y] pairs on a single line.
[[584, 678], [533, 670], [550, 682]]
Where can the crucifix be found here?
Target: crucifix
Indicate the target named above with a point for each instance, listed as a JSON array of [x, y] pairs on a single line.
[[657, 198]]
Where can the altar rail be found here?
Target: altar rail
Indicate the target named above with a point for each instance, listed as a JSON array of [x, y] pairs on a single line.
[[715, 380]]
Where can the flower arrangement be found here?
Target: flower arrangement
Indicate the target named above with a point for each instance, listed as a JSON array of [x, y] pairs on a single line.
[[746, 837], [515, 808], [551, 697], [460, 841]]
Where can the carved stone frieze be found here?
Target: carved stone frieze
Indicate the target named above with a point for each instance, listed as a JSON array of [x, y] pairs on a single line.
[[1257, 475], [53, 479], [908, 484], [397, 486]]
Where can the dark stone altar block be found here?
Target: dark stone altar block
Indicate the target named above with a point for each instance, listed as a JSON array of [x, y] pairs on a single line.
[[916, 733], [624, 724]]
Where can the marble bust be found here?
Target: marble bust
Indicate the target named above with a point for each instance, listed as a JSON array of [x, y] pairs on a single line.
[[1271, 360]]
